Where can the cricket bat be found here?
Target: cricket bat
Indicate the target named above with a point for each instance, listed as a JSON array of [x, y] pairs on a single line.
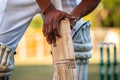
[[63, 54]]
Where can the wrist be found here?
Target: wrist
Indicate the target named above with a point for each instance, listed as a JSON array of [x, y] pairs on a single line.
[[45, 5], [50, 7], [77, 17]]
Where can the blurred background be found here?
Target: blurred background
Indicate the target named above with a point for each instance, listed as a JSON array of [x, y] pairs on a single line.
[[33, 60]]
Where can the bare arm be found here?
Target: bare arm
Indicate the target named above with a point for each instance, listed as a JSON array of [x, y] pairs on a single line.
[[84, 8], [44, 5]]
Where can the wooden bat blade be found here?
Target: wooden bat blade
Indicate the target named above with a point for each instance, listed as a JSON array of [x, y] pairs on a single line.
[[63, 54]]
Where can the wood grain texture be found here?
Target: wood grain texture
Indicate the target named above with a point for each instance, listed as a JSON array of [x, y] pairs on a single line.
[[63, 54]]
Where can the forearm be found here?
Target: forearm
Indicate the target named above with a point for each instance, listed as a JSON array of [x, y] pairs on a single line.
[[85, 7], [44, 4]]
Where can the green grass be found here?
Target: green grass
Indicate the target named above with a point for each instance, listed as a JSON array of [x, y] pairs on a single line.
[[33, 72], [44, 72]]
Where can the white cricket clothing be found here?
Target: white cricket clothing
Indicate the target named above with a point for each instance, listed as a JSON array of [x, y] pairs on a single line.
[[16, 15]]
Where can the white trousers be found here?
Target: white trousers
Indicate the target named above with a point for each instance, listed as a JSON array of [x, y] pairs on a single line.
[[15, 16]]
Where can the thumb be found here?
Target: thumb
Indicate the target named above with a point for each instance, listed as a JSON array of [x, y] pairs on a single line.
[[70, 17], [72, 20]]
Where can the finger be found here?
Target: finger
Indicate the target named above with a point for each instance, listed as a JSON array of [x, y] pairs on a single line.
[[50, 32], [56, 25], [50, 27], [70, 17], [46, 25], [44, 29], [47, 38], [53, 37]]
